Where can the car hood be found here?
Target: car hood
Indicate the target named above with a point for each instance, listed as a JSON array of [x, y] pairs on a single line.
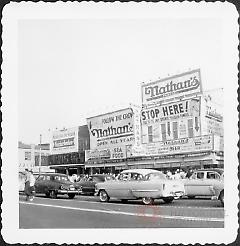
[[65, 182]]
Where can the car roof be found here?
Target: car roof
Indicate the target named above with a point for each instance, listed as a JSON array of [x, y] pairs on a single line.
[[100, 175], [55, 174], [144, 171], [218, 170]]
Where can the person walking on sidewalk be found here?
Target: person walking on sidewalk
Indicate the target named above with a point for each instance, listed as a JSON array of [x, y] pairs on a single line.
[[27, 184], [31, 185]]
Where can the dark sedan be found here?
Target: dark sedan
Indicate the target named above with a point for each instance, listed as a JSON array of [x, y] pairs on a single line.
[[53, 184], [86, 186]]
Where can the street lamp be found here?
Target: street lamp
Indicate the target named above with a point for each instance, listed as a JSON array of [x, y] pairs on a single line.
[[40, 157]]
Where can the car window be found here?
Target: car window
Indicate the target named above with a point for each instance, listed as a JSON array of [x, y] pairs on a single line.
[[152, 176], [40, 178], [213, 175], [64, 178], [136, 176], [124, 176], [109, 178], [200, 175], [47, 177], [194, 176], [98, 179]]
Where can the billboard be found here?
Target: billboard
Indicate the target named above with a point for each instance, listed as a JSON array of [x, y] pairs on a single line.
[[178, 146], [111, 129], [176, 86], [110, 134], [172, 111], [64, 141]]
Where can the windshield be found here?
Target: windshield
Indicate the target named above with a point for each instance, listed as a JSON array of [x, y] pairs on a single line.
[[152, 176], [61, 178]]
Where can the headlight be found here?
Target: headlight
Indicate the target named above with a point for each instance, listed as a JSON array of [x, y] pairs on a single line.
[[62, 187]]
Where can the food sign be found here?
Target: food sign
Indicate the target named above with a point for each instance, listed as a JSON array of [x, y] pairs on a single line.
[[180, 85], [178, 146], [112, 129], [172, 111]]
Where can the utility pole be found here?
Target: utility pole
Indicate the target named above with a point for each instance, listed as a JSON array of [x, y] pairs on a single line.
[[40, 156]]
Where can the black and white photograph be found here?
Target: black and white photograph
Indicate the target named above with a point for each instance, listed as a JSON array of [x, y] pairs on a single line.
[[120, 122]]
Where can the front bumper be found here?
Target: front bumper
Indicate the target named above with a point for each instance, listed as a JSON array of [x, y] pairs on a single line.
[[174, 194], [67, 192]]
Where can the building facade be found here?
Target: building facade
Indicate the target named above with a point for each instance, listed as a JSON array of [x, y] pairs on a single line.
[[67, 150], [177, 126], [28, 156]]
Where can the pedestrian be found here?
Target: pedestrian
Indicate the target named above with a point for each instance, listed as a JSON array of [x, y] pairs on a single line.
[[177, 174], [169, 174], [27, 184], [31, 185], [189, 173]]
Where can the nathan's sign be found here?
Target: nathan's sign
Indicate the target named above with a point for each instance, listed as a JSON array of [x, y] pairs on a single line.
[[112, 129], [172, 87], [171, 111]]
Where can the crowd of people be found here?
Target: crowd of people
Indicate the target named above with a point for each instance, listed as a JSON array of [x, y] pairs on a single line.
[[174, 174]]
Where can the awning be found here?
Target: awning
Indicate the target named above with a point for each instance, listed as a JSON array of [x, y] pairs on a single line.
[[105, 164], [67, 165]]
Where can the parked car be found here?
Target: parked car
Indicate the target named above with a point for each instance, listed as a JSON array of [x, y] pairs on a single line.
[[202, 181], [219, 190], [145, 184], [53, 184], [87, 185]]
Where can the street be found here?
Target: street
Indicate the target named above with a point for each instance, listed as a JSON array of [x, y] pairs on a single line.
[[88, 212]]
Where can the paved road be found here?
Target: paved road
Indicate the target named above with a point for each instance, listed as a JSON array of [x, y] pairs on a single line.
[[88, 212]]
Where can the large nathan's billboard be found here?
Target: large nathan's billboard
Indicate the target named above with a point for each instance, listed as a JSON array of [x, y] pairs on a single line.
[[64, 141], [176, 86], [111, 133]]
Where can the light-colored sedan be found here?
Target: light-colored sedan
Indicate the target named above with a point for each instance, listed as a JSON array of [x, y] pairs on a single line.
[[202, 182], [219, 190], [145, 184]]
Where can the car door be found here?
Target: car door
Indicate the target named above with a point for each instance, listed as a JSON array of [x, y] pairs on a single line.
[[39, 184], [195, 186], [88, 186], [121, 187], [212, 179]]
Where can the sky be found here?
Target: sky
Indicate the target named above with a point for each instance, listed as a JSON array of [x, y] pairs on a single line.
[[71, 69]]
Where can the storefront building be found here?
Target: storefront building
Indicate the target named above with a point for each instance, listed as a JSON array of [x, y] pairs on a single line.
[[28, 157], [67, 150], [178, 126], [181, 126]]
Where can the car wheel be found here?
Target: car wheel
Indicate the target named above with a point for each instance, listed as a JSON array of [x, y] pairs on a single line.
[[147, 200], [103, 196], [47, 194], [71, 196], [53, 194], [168, 199], [221, 197], [191, 197]]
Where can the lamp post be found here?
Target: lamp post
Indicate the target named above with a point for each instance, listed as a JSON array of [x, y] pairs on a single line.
[[40, 157]]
